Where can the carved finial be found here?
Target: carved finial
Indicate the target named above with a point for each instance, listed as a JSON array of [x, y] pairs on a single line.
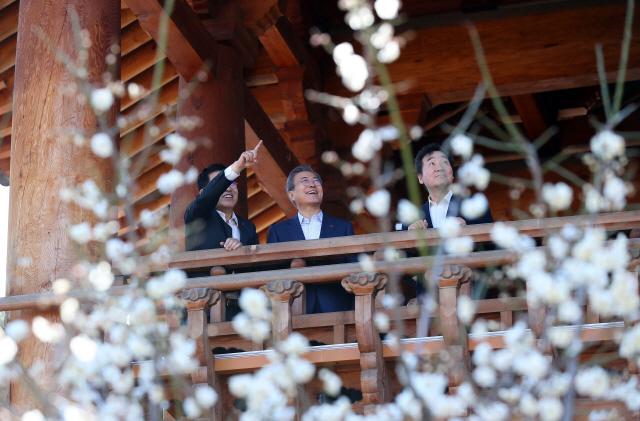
[[451, 275], [200, 298], [365, 283], [283, 290]]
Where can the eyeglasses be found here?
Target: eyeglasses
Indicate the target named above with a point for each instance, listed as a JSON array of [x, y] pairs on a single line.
[[306, 182], [234, 184]]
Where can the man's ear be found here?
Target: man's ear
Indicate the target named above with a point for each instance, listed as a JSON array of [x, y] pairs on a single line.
[[200, 192], [290, 194], [420, 179]]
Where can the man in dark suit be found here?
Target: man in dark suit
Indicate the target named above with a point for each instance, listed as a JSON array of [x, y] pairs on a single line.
[[435, 172], [304, 188], [209, 221]]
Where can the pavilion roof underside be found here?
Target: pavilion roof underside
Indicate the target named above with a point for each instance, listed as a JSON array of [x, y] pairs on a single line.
[[541, 56]]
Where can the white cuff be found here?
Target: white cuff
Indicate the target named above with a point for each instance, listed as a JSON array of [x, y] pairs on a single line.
[[230, 174]]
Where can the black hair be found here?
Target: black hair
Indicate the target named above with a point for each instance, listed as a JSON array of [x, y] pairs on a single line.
[[428, 150], [203, 178]]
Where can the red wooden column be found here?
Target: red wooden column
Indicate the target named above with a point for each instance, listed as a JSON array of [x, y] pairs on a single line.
[[219, 104], [39, 250]]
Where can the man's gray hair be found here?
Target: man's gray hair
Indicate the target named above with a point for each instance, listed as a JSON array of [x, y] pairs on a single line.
[[292, 175]]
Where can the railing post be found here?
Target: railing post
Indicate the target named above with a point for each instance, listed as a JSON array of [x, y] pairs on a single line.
[[198, 301], [282, 294], [374, 377], [450, 282]]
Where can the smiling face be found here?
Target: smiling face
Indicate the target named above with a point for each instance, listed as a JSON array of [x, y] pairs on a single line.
[[436, 171], [304, 195], [229, 198]]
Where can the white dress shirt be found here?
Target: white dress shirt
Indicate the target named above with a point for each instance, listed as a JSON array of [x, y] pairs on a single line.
[[438, 211], [311, 228], [233, 222]]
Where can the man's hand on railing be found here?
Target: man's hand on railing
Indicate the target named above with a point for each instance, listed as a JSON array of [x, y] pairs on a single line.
[[231, 244], [419, 225]]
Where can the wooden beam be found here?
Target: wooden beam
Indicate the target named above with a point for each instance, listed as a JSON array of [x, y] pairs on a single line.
[[136, 141], [281, 43], [8, 53], [127, 17], [133, 36], [143, 58], [268, 218], [6, 94], [154, 206], [145, 80], [530, 114], [147, 181], [257, 204], [227, 24], [273, 166], [189, 46], [5, 147], [9, 21], [167, 96]]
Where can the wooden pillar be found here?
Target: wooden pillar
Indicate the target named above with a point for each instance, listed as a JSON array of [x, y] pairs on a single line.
[[198, 301], [39, 250], [219, 104], [450, 281], [374, 377], [282, 294]]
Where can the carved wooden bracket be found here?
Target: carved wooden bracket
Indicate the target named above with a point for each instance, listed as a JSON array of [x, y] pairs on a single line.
[[365, 283], [374, 376], [198, 301], [450, 281], [283, 291], [199, 298], [227, 25], [282, 294]]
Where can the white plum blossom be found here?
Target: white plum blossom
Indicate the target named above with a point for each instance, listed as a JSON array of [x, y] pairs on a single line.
[[378, 203], [117, 249], [462, 145], [607, 145], [83, 348], [295, 344], [594, 202], [46, 331], [390, 52], [17, 330], [354, 72], [134, 90], [254, 302], [482, 354], [366, 262], [558, 196], [191, 175], [459, 245], [332, 383], [191, 408], [102, 145], [504, 236], [170, 156], [473, 173], [558, 247], [205, 396], [466, 309], [101, 99], [475, 206], [615, 191], [528, 405], [369, 142], [561, 338], [387, 9], [592, 382], [383, 35], [33, 415], [531, 364], [80, 233], [350, 113], [569, 311], [360, 18], [407, 212], [168, 182], [381, 321], [449, 228], [8, 350], [176, 142], [493, 411], [550, 409]]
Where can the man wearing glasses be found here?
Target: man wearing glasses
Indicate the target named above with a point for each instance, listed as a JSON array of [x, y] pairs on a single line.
[[209, 221], [304, 188]]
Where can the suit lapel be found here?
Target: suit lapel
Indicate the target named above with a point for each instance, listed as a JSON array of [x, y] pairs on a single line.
[[454, 206], [227, 227], [244, 235], [294, 229], [427, 214], [328, 226]]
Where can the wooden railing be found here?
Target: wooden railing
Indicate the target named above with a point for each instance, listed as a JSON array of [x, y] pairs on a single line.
[[340, 330]]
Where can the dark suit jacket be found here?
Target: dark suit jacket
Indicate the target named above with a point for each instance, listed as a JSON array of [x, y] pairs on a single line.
[[321, 298], [214, 228], [454, 210]]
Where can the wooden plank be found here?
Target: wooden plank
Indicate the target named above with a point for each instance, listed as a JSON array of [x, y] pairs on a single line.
[[349, 246], [153, 206], [8, 53], [9, 21], [147, 181], [127, 17], [189, 46], [280, 43], [6, 94], [530, 114], [140, 60], [133, 36], [268, 218], [257, 204], [137, 140], [167, 92]]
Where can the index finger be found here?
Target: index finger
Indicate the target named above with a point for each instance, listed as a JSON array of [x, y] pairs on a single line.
[[257, 147]]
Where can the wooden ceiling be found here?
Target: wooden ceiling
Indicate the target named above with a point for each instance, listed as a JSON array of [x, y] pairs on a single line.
[[541, 55]]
